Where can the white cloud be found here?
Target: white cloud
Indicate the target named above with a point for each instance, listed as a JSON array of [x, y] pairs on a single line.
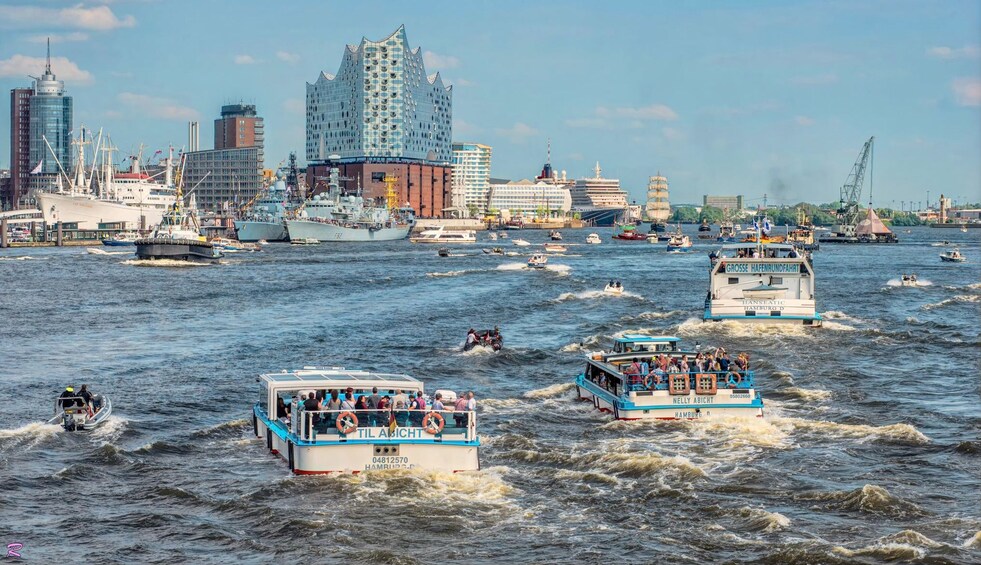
[[967, 91], [592, 123], [672, 134], [295, 106], [443, 62], [287, 56], [966, 52], [244, 60], [96, 18], [59, 38], [815, 80], [804, 121], [463, 129], [652, 112], [518, 133], [157, 107], [20, 66]]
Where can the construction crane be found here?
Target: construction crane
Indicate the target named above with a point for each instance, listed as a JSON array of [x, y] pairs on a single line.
[[391, 193], [848, 212]]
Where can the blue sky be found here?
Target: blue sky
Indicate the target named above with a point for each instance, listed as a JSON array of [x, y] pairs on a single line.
[[722, 98]]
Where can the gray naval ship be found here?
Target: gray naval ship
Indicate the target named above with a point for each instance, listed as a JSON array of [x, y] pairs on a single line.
[[334, 216], [266, 217]]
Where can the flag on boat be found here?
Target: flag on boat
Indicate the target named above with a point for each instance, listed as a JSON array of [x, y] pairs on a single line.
[[391, 423], [37, 170], [766, 226]]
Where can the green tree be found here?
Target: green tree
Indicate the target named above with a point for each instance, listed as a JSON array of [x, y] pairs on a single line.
[[685, 215], [711, 215]]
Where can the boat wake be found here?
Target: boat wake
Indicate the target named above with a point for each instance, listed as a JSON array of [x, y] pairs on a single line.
[[109, 431], [594, 294], [164, 263], [898, 433], [17, 258], [558, 269], [27, 436], [898, 282], [452, 273], [550, 391], [97, 251], [959, 299]]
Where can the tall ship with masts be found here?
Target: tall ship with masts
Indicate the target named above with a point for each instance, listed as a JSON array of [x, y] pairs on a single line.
[[658, 210], [99, 197]]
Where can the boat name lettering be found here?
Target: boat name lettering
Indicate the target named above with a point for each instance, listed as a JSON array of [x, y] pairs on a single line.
[[384, 462], [693, 400], [687, 415], [384, 433], [764, 304], [762, 268]]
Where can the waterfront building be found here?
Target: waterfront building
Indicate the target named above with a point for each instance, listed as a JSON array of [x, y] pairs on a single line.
[[20, 147], [471, 176], [381, 114], [530, 199], [734, 203], [229, 175], [50, 124]]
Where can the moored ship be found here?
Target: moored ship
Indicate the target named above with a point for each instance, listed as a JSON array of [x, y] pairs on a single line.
[[599, 201]]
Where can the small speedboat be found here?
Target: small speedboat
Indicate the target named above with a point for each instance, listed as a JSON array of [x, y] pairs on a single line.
[[121, 239], [908, 280], [952, 256], [443, 252], [520, 242], [502, 234], [493, 251], [593, 239], [555, 248], [305, 241], [653, 237], [943, 243], [486, 338], [492, 236], [72, 413], [555, 235], [538, 261], [613, 288]]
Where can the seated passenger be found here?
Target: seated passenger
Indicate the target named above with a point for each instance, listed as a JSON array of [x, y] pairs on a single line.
[[282, 410], [68, 399]]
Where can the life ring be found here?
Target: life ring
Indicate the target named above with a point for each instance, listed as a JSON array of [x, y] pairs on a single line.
[[648, 380], [733, 379], [427, 423], [352, 422]]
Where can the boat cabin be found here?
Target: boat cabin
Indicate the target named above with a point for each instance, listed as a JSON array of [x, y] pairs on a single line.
[[637, 342]]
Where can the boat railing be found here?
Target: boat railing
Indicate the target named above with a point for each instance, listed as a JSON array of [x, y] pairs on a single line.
[[385, 424], [696, 381]]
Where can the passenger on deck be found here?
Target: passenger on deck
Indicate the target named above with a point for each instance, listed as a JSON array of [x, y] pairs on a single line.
[[471, 338], [418, 408], [459, 410], [68, 399], [348, 402], [375, 417], [683, 366], [438, 403], [361, 405], [724, 361], [312, 405], [471, 402], [86, 397], [282, 410], [673, 367], [400, 400]]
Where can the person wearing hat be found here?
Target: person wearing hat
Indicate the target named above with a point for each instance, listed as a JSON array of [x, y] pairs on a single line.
[[68, 398]]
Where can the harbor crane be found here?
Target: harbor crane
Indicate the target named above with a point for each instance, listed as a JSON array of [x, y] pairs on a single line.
[[848, 212]]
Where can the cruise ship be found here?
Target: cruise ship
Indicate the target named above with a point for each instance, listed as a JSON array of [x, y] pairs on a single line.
[[132, 200], [658, 210], [599, 201]]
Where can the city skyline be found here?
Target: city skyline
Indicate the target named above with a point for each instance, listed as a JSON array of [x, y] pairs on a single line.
[[748, 99]]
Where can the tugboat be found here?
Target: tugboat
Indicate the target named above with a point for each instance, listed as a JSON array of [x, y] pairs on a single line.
[[704, 226], [678, 242], [802, 236], [641, 379], [177, 237], [626, 232]]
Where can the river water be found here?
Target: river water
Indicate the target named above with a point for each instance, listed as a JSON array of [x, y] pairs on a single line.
[[869, 450]]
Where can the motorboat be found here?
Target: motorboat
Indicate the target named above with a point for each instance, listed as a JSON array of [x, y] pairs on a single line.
[[122, 239], [678, 243], [487, 338], [73, 414], [613, 287], [492, 236], [227, 245], [652, 237], [520, 242], [502, 234], [305, 241], [908, 280], [628, 233], [404, 434], [443, 252], [593, 239], [494, 251], [555, 235], [952, 256], [538, 261], [640, 380], [704, 226], [943, 243], [443, 235], [555, 248]]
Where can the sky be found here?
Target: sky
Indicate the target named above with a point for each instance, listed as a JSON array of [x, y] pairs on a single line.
[[750, 98]]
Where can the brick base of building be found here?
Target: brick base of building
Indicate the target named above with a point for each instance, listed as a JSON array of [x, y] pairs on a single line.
[[427, 188]]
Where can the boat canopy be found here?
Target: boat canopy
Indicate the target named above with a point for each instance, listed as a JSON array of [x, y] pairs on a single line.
[[639, 342], [310, 379]]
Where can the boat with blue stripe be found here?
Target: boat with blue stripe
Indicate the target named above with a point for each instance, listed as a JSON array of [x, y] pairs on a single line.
[[640, 380], [385, 435]]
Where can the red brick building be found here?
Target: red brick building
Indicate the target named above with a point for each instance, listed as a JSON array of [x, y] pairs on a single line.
[[238, 126], [426, 187], [20, 165]]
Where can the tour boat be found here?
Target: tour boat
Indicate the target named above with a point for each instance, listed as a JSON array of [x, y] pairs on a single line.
[[555, 248], [761, 283], [952, 256], [623, 383], [520, 242], [79, 417], [442, 235], [121, 239], [593, 239], [354, 441], [538, 261]]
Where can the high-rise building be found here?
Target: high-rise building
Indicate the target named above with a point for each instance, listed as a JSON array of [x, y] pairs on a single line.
[[238, 126], [381, 114], [723, 202], [229, 175], [20, 148], [471, 176], [50, 125]]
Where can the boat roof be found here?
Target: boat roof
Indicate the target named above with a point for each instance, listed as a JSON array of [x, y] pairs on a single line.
[[639, 338], [746, 244], [339, 377]]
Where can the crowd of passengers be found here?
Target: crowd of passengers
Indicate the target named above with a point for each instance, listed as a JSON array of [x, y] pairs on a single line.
[[650, 374], [404, 409]]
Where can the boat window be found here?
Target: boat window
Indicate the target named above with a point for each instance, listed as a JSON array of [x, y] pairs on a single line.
[[264, 396], [733, 280], [776, 280]]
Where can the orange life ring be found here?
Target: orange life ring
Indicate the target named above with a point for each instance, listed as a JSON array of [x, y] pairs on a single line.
[[352, 418], [426, 423]]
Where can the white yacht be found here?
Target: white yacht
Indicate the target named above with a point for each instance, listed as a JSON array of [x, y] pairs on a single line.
[[761, 283], [443, 235], [401, 436], [593, 239]]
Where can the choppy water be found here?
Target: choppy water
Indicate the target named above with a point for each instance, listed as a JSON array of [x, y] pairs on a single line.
[[869, 452]]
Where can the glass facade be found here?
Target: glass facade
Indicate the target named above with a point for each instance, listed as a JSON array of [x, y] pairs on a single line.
[[235, 176], [381, 104], [51, 120], [471, 175]]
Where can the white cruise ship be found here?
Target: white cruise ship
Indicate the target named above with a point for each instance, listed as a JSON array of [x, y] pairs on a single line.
[[599, 200]]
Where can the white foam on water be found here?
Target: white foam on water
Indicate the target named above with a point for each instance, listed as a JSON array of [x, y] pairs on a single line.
[[903, 545], [764, 520], [28, 435], [512, 267], [450, 273], [550, 391], [477, 351], [695, 327], [862, 432], [110, 430], [558, 269], [164, 263], [959, 299], [658, 315], [18, 258], [973, 541], [811, 395], [595, 294], [898, 282]]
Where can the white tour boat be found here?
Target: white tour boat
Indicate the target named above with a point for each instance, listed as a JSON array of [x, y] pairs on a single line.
[[74, 414], [538, 261], [762, 283], [442, 235], [639, 380], [400, 436], [555, 248], [520, 242], [952, 256], [593, 239]]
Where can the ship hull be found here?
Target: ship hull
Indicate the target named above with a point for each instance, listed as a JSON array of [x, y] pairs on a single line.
[[323, 232], [254, 231], [602, 217], [88, 213], [176, 250]]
